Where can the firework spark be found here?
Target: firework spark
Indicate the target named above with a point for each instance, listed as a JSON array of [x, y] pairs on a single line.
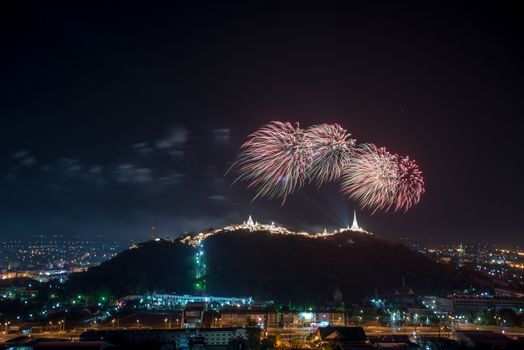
[[371, 177], [332, 148], [275, 160], [410, 184], [380, 180], [280, 158]]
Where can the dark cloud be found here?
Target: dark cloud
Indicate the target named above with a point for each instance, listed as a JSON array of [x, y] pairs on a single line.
[[24, 158], [130, 174], [177, 154], [28, 161], [221, 136], [176, 137], [70, 173], [143, 148], [20, 154], [170, 177], [96, 169]]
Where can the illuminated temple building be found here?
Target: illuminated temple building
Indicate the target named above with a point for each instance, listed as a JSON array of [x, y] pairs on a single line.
[[354, 226], [254, 226]]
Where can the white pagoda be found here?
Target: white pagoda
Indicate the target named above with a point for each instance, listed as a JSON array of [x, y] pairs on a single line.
[[354, 225]]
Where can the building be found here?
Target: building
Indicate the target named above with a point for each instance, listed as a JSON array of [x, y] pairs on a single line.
[[289, 320], [343, 338], [172, 301], [251, 225], [18, 293], [405, 296], [466, 303], [393, 341], [249, 316], [193, 315], [440, 343], [354, 225], [437, 304], [184, 339], [483, 340], [272, 320], [331, 318]]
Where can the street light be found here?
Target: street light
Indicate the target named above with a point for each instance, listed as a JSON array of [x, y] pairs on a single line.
[[165, 322], [138, 323]]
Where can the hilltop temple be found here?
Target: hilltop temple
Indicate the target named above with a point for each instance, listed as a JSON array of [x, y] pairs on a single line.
[[253, 226], [354, 225]]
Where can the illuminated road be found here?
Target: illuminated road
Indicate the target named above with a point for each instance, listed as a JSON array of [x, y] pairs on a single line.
[[303, 333], [68, 335]]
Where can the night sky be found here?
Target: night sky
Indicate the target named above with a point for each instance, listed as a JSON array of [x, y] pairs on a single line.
[[118, 118]]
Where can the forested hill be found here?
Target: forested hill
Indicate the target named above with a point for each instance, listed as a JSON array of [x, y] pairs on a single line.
[[280, 267]]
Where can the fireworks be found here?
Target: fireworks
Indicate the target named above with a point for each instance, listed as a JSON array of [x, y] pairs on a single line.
[[380, 180], [331, 147], [371, 177], [410, 184], [275, 160], [280, 158]]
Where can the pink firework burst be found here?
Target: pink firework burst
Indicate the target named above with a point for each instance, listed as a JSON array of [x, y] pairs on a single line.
[[410, 184], [379, 180], [275, 160], [332, 148], [371, 177]]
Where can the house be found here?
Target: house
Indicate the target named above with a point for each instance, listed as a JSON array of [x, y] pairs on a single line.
[[332, 318], [483, 339], [393, 341], [289, 320], [344, 338]]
